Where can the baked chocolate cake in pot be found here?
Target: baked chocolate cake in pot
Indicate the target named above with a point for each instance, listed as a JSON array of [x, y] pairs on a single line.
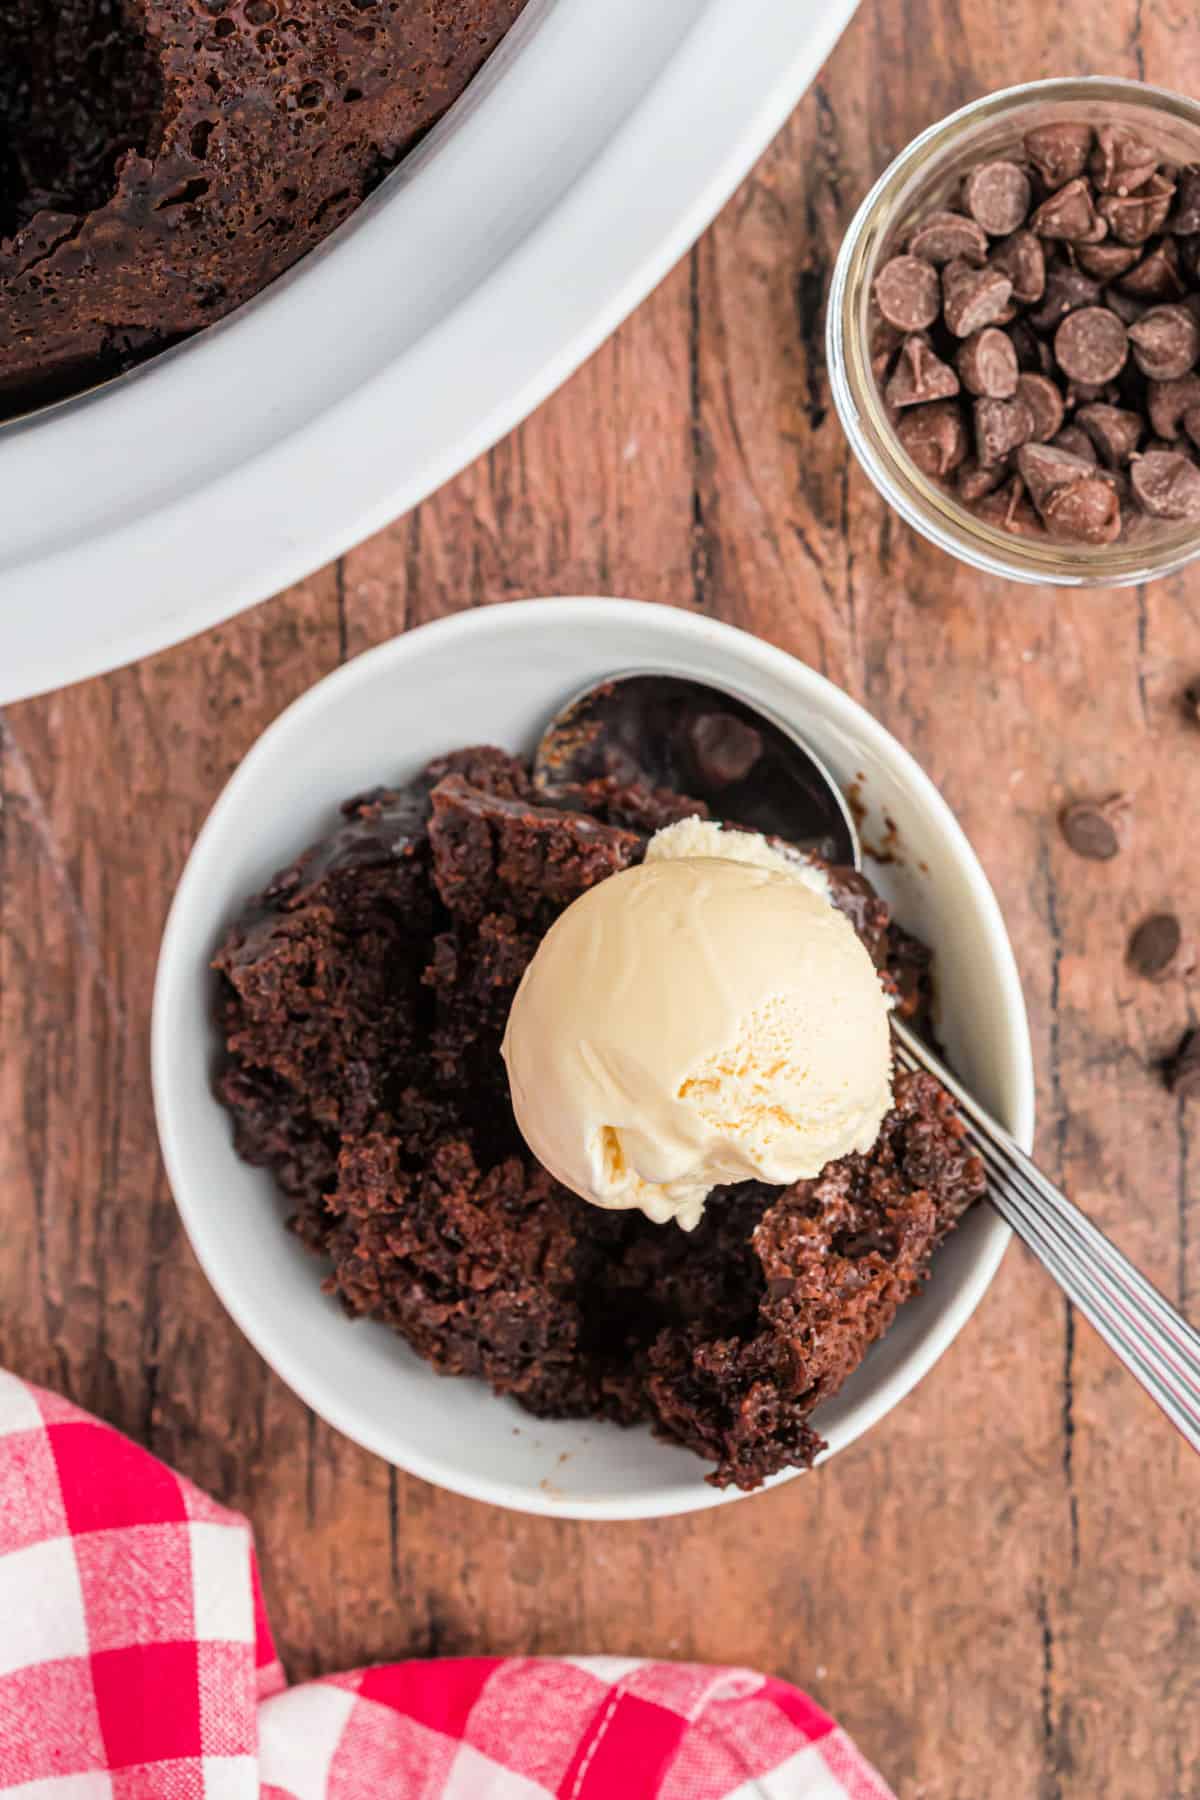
[[161, 161]]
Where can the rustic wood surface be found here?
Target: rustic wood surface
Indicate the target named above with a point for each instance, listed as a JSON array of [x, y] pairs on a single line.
[[997, 1590]]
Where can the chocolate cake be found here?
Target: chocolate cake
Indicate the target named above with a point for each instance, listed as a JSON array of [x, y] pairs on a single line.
[[163, 160], [362, 999]]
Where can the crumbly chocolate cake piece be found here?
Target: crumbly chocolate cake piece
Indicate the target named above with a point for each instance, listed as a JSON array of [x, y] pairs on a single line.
[[626, 803], [161, 161], [363, 998], [318, 973], [489, 851], [320, 1002], [837, 1256], [476, 1269]]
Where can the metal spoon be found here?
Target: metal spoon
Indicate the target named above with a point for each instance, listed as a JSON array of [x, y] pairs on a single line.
[[752, 769], [693, 738]]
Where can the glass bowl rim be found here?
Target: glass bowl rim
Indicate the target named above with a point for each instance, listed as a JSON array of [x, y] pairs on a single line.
[[931, 511]]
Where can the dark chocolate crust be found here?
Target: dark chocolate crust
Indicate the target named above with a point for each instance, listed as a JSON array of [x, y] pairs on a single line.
[[161, 161], [362, 999]]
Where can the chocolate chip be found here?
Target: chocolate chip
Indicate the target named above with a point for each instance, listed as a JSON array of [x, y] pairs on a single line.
[[1182, 1070], [1021, 257], [907, 293], [1008, 509], [1158, 949], [949, 236], [975, 479], [1088, 511], [973, 298], [1097, 829], [1120, 162], [1001, 426], [1066, 291], [1167, 401], [1069, 214], [1059, 151], [934, 436], [987, 363], [1045, 403], [1166, 484], [997, 196], [1185, 220], [1132, 218], [920, 375], [726, 749], [1106, 261], [1191, 701], [1090, 345], [1157, 275], [1077, 443], [1044, 469], [1166, 342], [1113, 431], [998, 506]]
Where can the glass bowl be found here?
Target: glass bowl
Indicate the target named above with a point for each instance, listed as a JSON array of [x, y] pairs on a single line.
[[925, 177]]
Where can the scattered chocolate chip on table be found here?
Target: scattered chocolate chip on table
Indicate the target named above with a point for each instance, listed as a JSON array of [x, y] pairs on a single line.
[[1159, 950], [1097, 829]]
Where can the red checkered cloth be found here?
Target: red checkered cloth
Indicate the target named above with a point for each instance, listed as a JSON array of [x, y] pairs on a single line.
[[136, 1663]]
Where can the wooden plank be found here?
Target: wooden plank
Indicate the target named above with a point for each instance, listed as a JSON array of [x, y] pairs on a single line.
[[993, 1589]]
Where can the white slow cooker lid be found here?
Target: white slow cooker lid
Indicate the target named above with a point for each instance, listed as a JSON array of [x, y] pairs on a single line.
[[594, 148]]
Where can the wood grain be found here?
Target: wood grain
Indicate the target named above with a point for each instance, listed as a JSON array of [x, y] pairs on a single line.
[[997, 1589]]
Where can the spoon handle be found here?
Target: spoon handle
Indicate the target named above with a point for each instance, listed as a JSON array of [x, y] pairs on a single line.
[[1154, 1342]]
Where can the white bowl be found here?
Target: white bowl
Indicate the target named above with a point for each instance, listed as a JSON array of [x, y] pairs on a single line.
[[581, 164], [495, 676]]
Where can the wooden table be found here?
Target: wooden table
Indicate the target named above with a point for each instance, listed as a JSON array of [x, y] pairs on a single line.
[[997, 1590]]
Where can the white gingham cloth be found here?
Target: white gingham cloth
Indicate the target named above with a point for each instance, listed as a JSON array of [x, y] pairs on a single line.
[[136, 1663]]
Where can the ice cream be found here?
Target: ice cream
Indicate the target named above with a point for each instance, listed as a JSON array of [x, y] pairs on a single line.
[[706, 837], [706, 1017]]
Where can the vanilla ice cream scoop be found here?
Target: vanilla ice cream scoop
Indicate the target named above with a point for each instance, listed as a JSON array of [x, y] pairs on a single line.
[[704, 1018]]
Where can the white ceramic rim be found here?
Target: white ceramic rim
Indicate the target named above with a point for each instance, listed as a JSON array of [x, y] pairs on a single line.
[[331, 477], [561, 614]]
